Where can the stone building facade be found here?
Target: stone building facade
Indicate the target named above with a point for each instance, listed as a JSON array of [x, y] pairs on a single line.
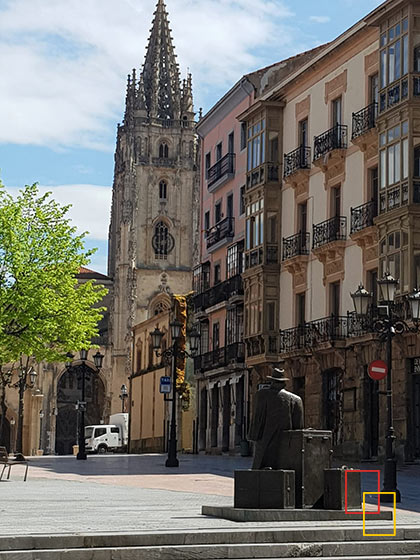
[[342, 204], [152, 232]]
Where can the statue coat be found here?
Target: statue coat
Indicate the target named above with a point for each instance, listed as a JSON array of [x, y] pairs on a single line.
[[274, 412]]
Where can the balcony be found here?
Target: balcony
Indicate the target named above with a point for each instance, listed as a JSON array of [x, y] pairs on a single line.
[[256, 256], [393, 95], [266, 173], [362, 216], [295, 245], [333, 139], [297, 160], [334, 229], [230, 288], [364, 120], [221, 172], [223, 232], [221, 357], [322, 331]]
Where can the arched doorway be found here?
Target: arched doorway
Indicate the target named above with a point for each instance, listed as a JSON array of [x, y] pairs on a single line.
[[69, 391], [5, 434]]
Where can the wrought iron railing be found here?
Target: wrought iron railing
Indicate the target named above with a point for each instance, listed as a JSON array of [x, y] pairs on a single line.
[[364, 120], [220, 357], [266, 172], [222, 230], [218, 293], [224, 166], [320, 331], [334, 229], [362, 216], [295, 245], [333, 139], [254, 258], [393, 95], [297, 159], [235, 352]]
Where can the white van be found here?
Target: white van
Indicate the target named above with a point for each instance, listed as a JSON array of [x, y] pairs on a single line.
[[108, 437]]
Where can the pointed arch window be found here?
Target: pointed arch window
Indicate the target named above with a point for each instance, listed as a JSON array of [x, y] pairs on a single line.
[[164, 150], [163, 242], [163, 190]]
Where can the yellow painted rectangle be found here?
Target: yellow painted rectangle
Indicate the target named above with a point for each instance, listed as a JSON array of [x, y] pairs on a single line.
[[394, 515]]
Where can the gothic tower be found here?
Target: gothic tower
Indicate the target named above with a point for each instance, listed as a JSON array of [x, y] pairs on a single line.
[[154, 192]]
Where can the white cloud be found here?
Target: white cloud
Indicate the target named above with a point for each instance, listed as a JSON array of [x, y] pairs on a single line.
[[320, 19], [90, 209], [63, 63]]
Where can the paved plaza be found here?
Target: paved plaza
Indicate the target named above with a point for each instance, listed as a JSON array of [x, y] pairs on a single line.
[[137, 493]]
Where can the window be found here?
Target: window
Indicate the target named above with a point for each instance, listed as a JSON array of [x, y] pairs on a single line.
[[231, 143], [201, 278], [303, 133], [372, 284], [335, 201], [256, 144], [373, 183], [219, 148], [243, 136], [336, 107], [100, 432], [335, 299], [417, 161], [272, 227], [216, 336], [234, 259], [300, 309], [271, 316], [255, 224], [217, 274], [163, 242], [393, 155], [204, 337], [417, 59], [115, 430], [374, 88], [163, 150], [208, 164], [302, 217], [163, 191], [242, 201], [234, 325], [394, 53], [229, 206], [207, 221], [393, 258], [217, 212]]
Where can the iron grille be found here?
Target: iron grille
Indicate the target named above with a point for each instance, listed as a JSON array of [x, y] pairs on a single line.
[[295, 245], [334, 229], [224, 166], [333, 139], [364, 120], [222, 230], [362, 216], [298, 159]]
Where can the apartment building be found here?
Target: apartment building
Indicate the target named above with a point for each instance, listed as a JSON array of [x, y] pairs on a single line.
[[222, 379], [344, 201]]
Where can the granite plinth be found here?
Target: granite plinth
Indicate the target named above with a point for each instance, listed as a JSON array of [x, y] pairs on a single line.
[[260, 515]]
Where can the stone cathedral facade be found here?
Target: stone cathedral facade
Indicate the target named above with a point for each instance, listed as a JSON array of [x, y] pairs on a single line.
[[152, 232]]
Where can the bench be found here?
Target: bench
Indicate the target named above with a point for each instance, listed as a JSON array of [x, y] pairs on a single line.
[[7, 462]]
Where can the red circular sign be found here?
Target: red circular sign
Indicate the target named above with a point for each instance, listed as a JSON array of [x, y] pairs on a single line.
[[378, 370]]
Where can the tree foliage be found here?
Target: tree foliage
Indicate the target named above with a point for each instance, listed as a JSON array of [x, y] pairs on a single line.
[[44, 311]]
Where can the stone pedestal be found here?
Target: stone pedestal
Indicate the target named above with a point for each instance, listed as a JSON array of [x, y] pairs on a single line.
[[334, 489], [265, 489]]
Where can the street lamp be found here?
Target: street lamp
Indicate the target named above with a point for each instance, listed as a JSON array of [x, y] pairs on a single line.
[[388, 323], [173, 353], [41, 416], [81, 405], [123, 396], [22, 384]]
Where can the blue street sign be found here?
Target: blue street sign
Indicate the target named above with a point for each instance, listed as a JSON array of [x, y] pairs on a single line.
[[165, 384]]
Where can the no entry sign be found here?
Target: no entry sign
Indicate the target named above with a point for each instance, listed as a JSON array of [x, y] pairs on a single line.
[[378, 370]]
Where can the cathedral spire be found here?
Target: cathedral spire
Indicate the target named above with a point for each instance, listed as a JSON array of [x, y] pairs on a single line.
[[160, 75]]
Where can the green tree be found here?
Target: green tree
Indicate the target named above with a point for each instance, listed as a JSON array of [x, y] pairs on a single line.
[[44, 311]]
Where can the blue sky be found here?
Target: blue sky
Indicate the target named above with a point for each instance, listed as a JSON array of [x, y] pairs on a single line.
[[64, 65]]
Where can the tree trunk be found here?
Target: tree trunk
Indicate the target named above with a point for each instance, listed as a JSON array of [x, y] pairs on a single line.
[[3, 409], [19, 436]]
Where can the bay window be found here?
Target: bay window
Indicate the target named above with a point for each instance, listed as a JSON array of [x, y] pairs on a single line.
[[256, 144], [393, 258]]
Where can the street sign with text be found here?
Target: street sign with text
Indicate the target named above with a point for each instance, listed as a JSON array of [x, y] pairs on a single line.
[[378, 370], [165, 384]]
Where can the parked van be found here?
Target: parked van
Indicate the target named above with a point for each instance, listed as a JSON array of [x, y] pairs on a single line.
[[102, 438]]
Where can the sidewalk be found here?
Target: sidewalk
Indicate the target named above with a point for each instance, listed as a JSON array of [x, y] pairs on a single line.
[[135, 493]]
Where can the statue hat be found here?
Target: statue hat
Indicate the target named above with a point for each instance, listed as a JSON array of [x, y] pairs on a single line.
[[278, 375]]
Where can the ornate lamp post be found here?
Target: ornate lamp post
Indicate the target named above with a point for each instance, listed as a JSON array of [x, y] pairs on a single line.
[[98, 360], [123, 396], [22, 384], [388, 323], [173, 353]]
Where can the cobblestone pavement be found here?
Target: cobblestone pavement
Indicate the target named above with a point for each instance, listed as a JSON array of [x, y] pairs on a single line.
[[134, 493]]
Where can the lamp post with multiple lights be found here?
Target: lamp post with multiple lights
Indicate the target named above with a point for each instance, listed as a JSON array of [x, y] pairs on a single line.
[[388, 322], [98, 360], [123, 396], [173, 353]]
